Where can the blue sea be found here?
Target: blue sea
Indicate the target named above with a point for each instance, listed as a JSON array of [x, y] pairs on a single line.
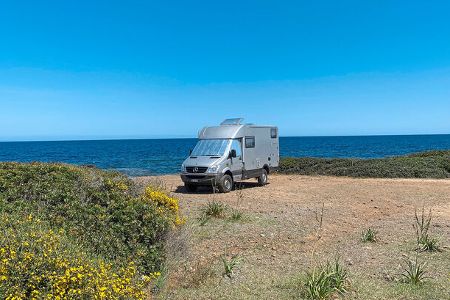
[[164, 156]]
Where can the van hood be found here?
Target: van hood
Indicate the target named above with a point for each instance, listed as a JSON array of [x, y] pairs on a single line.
[[201, 161]]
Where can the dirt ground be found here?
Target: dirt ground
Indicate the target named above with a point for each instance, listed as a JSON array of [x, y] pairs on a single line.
[[284, 232]]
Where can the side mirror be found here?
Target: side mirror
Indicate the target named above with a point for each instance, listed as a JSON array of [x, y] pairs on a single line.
[[232, 153]]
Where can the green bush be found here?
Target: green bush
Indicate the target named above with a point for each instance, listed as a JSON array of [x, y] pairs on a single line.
[[434, 164], [37, 262], [101, 211]]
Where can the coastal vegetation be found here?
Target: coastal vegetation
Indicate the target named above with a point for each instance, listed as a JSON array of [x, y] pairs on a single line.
[[78, 232], [432, 164]]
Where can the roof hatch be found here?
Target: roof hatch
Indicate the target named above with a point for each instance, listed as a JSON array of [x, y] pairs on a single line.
[[235, 121]]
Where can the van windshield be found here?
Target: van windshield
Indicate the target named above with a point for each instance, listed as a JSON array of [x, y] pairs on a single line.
[[210, 147]]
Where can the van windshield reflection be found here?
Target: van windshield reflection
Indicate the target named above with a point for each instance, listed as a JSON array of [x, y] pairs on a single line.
[[216, 147]]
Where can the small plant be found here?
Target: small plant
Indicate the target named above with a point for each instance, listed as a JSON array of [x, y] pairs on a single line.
[[214, 209], [229, 266], [369, 235], [319, 220], [326, 280], [430, 245], [421, 226], [414, 272], [200, 274], [203, 219], [236, 215]]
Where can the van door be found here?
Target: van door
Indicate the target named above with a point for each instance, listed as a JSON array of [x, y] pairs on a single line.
[[236, 164]]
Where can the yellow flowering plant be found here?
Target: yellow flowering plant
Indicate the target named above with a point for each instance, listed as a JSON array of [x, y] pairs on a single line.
[[167, 205], [69, 232], [39, 263]]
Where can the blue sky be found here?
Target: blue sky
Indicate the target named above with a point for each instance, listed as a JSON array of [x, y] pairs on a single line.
[[144, 69]]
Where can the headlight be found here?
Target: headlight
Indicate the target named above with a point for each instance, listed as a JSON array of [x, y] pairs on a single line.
[[212, 169], [183, 168]]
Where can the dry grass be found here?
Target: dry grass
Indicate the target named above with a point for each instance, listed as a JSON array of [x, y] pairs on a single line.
[[279, 241]]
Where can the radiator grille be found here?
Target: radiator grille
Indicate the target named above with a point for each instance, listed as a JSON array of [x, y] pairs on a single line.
[[196, 169]]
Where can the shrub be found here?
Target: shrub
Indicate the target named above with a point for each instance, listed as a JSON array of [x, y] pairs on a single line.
[[167, 205], [101, 214], [325, 280], [37, 262], [369, 235], [435, 164]]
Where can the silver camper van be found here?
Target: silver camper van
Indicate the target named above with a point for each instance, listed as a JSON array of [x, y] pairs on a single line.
[[231, 152]]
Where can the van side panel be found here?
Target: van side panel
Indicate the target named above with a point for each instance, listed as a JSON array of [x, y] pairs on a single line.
[[265, 152]]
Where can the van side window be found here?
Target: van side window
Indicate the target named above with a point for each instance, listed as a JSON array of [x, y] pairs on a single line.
[[236, 145], [273, 133], [249, 142]]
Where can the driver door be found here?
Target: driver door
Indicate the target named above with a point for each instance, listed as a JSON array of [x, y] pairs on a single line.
[[236, 164]]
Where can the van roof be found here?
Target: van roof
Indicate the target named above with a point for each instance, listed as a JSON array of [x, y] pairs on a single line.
[[228, 129]]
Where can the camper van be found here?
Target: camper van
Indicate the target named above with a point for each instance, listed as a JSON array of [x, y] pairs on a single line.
[[229, 153]]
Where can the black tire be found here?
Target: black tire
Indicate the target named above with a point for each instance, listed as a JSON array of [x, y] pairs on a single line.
[[190, 187], [225, 184], [262, 179]]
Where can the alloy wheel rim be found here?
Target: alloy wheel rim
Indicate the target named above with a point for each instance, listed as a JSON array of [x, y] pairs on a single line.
[[227, 184]]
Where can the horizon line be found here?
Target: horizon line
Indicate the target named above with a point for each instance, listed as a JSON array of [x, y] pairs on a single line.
[[180, 138]]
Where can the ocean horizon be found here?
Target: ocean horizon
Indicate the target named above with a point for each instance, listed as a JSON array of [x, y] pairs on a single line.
[[156, 156]]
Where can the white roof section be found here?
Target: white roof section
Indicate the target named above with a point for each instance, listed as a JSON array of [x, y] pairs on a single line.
[[228, 129]]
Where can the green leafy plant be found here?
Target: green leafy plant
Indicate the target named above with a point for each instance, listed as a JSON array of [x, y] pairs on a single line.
[[414, 271], [369, 235], [421, 227], [85, 218], [229, 265], [325, 280]]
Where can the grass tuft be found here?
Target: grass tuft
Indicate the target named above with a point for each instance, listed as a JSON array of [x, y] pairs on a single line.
[[326, 280], [369, 235], [422, 226], [236, 215], [214, 209], [414, 271], [229, 266]]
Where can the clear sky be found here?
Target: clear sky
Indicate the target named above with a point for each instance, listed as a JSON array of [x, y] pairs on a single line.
[[144, 69]]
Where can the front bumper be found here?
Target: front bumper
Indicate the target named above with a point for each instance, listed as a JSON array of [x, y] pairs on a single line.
[[200, 179]]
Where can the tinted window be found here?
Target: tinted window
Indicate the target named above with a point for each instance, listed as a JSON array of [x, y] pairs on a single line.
[[273, 133], [249, 142]]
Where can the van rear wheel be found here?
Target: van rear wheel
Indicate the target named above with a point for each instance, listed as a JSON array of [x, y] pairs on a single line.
[[262, 179], [225, 184], [190, 187]]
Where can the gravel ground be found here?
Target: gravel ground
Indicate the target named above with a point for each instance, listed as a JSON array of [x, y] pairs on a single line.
[[285, 232]]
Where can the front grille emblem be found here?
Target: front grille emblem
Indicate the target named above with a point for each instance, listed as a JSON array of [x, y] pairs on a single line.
[[195, 169]]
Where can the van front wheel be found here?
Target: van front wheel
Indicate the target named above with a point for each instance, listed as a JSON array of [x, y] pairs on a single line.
[[262, 179], [225, 184]]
